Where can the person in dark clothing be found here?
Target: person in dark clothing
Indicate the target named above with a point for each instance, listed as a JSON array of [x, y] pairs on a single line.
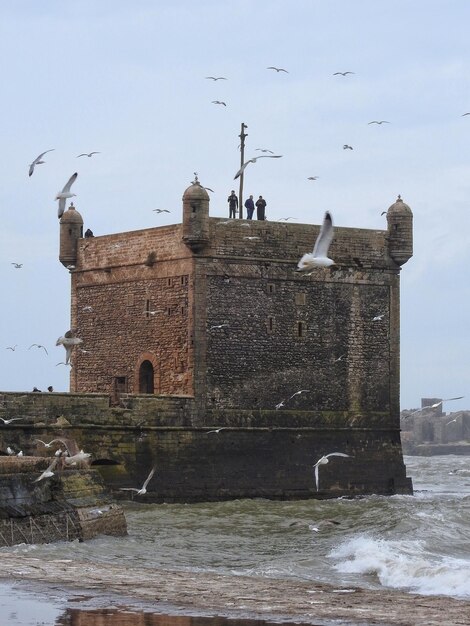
[[261, 208], [250, 207], [232, 204], [89, 233]]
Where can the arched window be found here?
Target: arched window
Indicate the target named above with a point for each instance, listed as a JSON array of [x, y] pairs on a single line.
[[146, 377]]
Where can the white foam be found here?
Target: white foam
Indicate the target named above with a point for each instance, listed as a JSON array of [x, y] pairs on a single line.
[[404, 565]]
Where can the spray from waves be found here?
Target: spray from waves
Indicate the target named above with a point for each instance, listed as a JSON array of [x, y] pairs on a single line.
[[404, 565]]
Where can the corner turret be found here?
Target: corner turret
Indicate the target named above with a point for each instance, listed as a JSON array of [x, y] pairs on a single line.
[[196, 216], [71, 230], [400, 232]]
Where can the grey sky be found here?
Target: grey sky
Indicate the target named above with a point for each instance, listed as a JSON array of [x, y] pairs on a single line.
[[127, 79]]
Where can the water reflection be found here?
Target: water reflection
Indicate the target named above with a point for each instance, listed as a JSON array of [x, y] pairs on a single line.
[[123, 617]]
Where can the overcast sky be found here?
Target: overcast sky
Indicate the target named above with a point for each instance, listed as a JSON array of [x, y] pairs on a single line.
[[127, 78]]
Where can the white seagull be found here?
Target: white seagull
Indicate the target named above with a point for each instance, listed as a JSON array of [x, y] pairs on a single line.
[[319, 258], [161, 210], [265, 150], [12, 419], [38, 345], [69, 340], [65, 193], [37, 161], [253, 160], [48, 472], [88, 154], [323, 461], [217, 430], [343, 73], [378, 318], [281, 404], [143, 489], [378, 122], [80, 456], [48, 445], [215, 78]]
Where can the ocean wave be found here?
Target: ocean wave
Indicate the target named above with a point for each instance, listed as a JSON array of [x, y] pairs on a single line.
[[404, 565]]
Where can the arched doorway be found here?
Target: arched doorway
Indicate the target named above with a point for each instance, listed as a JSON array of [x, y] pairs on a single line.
[[146, 377]]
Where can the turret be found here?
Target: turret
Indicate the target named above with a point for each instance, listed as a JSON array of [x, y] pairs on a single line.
[[196, 216], [400, 232], [71, 230]]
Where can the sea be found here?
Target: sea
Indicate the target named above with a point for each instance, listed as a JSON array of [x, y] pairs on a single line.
[[417, 544]]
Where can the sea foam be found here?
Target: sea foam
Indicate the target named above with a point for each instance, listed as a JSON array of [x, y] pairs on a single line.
[[404, 565]]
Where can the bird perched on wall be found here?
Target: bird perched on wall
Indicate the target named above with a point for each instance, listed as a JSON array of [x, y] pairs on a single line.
[[143, 490], [319, 258], [69, 340], [65, 193], [38, 161], [253, 160], [323, 461]]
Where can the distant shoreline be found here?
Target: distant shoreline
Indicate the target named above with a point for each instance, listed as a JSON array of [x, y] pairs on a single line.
[[231, 596]]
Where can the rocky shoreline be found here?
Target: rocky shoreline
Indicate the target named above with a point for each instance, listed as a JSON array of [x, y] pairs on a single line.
[[233, 596]]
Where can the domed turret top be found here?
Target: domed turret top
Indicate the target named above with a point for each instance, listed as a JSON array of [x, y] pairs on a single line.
[[195, 191], [399, 207], [71, 216]]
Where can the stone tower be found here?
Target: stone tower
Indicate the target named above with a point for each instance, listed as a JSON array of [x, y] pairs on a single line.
[[71, 230], [400, 232], [196, 216]]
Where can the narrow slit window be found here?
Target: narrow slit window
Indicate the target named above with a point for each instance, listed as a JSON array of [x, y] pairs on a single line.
[[147, 308], [301, 327], [270, 324]]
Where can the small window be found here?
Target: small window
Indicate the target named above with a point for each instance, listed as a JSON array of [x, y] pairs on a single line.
[[301, 329], [299, 299], [271, 287], [168, 310], [183, 310], [184, 280], [168, 282], [147, 308], [270, 324]]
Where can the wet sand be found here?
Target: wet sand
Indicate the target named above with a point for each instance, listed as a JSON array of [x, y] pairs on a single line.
[[236, 596]]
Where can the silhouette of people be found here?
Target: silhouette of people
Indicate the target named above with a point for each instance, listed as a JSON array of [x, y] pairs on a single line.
[[261, 208], [250, 207], [232, 204], [89, 233]]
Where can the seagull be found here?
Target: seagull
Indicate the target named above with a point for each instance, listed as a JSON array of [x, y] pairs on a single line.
[[215, 78], [281, 404], [217, 430], [143, 489], [88, 154], [465, 114], [10, 452], [319, 258], [20, 453], [284, 219], [161, 210], [379, 122], [383, 213], [18, 265], [278, 69], [48, 445], [12, 419], [451, 421], [69, 340], [80, 456], [346, 147], [343, 73], [63, 363], [38, 345], [432, 406], [253, 160], [218, 102], [340, 358], [208, 189], [312, 178], [323, 461], [251, 238], [88, 308], [48, 472], [37, 161], [378, 318], [65, 193], [12, 348], [265, 150], [219, 326]]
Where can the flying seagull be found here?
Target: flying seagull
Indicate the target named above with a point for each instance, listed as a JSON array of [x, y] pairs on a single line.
[[253, 160], [69, 340], [379, 122], [80, 456], [218, 326], [465, 114], [143, 489], [347, 147], [37, 161], [12, 419], [343, 73], [48, 445], [281, 404], [285, 219], [65, 193], [312, 178], [319, 258], [38, 345], [265, 150], [88, 154], [217, 430], [434, 406], [323, 461], [278, 69], [18, 265], [48, 472], [12, 348], [378, 318], [161, 210], [218, 102], [215, 78]]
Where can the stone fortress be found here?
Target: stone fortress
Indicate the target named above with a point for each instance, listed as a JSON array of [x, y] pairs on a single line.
[[206, 326]]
